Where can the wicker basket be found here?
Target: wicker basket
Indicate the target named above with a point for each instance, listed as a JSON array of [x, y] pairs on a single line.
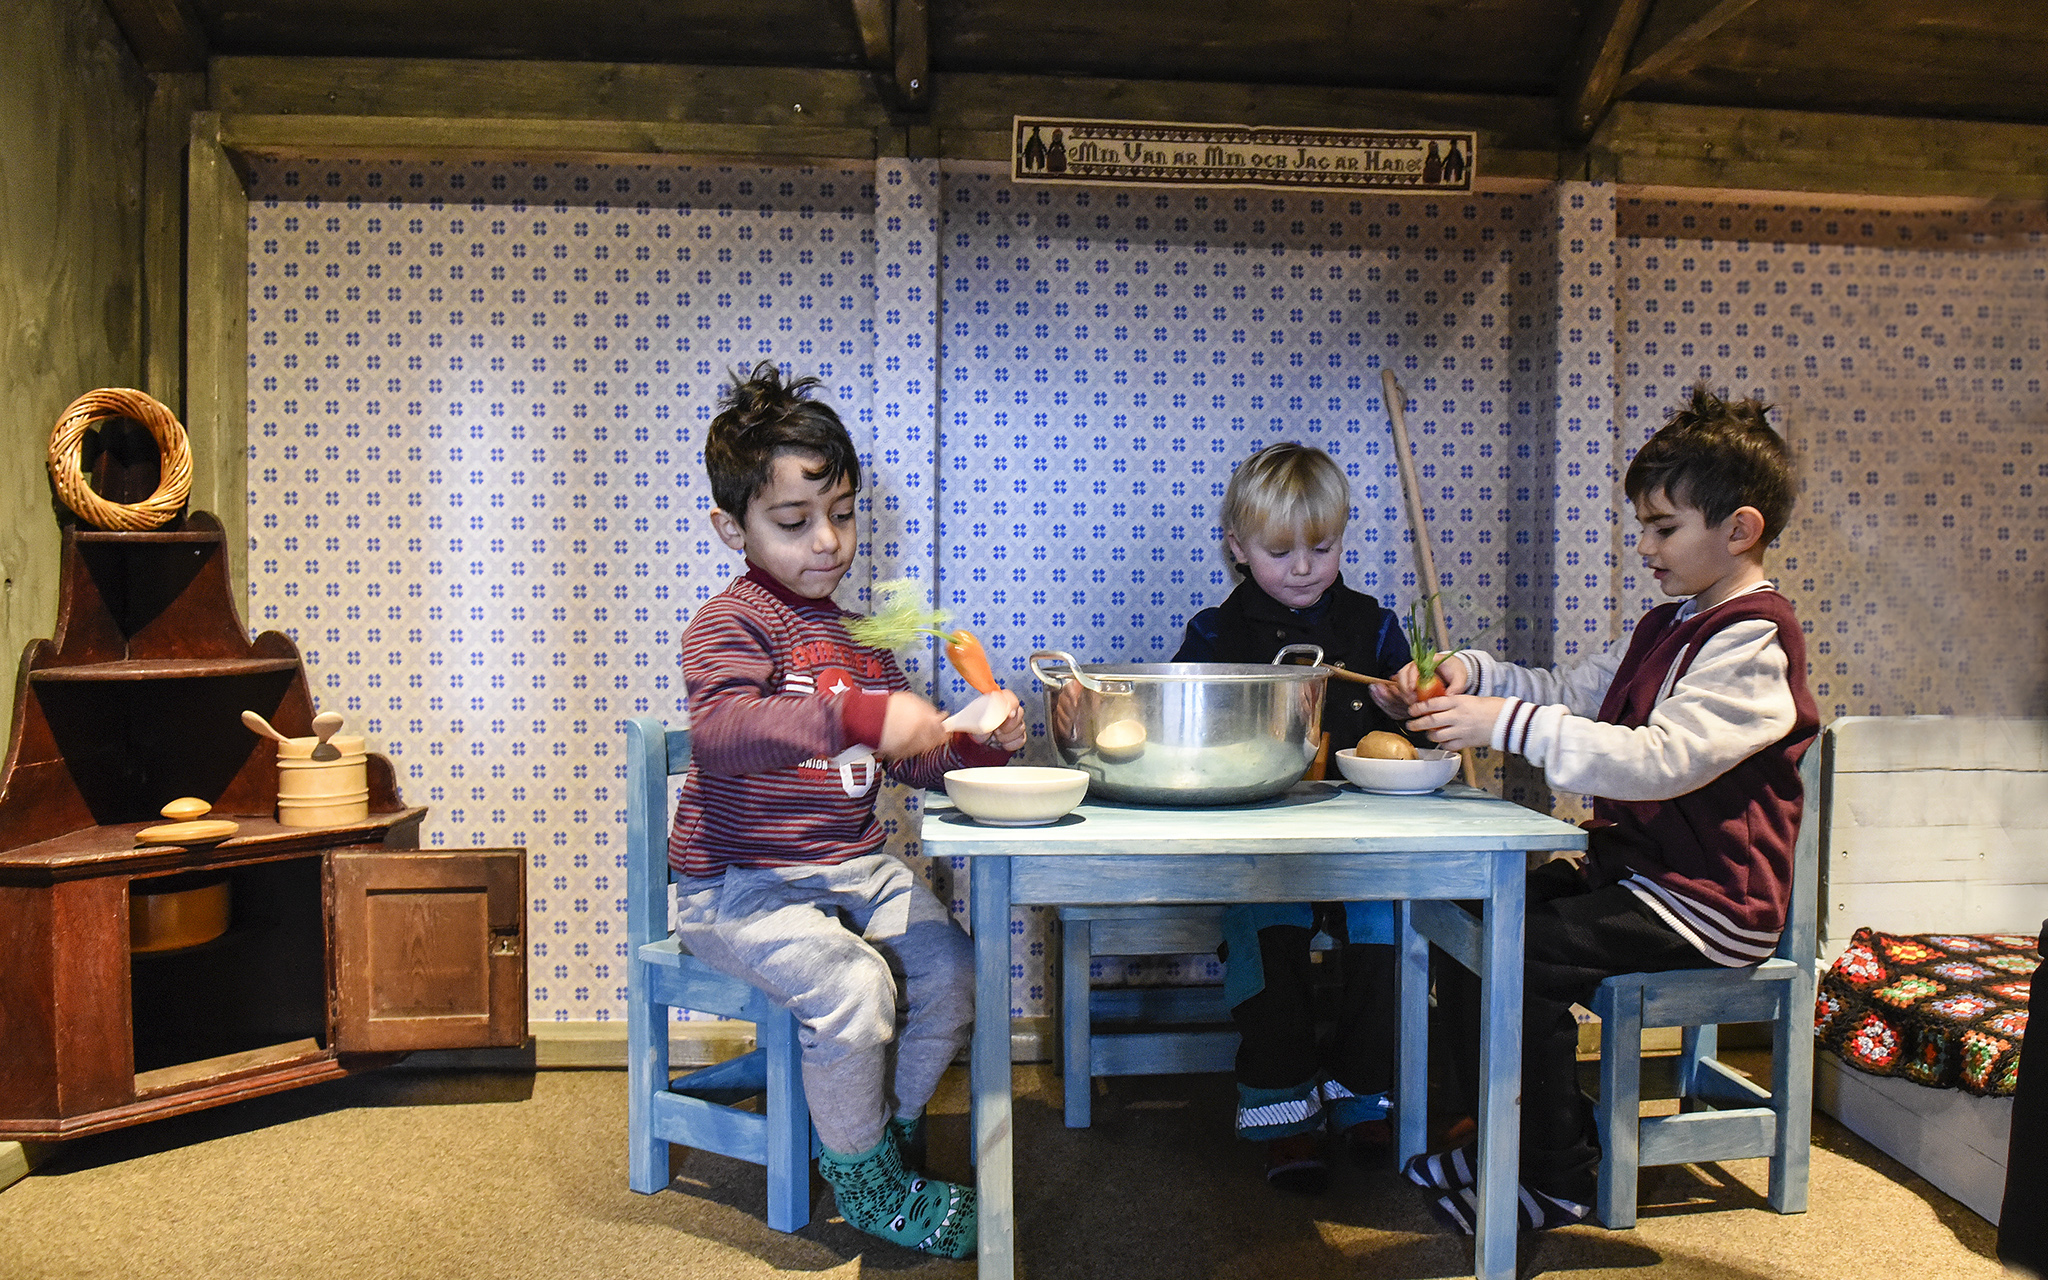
[[175, 473]]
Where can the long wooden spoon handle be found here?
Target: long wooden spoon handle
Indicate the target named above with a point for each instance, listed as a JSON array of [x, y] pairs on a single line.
[[1359, 678]]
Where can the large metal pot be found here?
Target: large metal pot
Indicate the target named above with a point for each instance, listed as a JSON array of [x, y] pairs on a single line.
[[1186, 733]]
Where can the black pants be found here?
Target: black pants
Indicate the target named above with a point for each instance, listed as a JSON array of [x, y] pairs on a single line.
[[1576, 937], [2023, 1222], [1279, 1047]]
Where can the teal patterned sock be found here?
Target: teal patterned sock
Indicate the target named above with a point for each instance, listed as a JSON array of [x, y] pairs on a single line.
[[877, 1195], [909, 1133]]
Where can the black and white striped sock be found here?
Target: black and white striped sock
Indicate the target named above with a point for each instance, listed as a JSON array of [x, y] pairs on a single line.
[[1536, 1210], [1445, 1171]]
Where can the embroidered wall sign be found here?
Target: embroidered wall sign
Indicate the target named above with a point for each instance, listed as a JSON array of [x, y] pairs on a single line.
[[1149, 153]]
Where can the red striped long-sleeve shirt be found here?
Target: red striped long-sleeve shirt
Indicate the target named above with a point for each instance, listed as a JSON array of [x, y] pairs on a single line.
[[777, 690]]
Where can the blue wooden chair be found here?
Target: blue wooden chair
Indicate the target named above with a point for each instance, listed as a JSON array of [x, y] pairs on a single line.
[[697, 1110], [1137, 1031], [1723, 1115]]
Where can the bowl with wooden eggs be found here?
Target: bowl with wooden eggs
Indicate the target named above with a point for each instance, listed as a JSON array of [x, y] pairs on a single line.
[[1390, 765]]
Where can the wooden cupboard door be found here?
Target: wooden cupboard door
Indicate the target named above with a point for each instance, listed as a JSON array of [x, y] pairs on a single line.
[[429, 949]]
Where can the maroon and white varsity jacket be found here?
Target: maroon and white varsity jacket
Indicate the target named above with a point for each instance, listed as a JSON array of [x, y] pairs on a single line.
[[1690, 745]]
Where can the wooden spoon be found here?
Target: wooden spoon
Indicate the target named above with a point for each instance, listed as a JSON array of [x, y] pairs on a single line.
[[324, 726], [262, 726], [1358, 678]]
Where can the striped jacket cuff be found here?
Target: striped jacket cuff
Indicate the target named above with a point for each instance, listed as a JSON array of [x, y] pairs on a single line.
[[1527, 728]]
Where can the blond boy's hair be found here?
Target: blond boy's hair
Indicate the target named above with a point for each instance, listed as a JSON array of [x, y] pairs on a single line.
[[1287, 486]]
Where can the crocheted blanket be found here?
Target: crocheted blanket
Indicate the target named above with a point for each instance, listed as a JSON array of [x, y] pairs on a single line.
[[1943, 1010]]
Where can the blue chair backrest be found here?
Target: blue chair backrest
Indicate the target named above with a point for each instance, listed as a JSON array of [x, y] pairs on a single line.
[[1800, 942], [654, 752]]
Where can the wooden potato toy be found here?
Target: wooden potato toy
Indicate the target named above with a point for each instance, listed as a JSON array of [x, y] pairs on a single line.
[[1381, 745]]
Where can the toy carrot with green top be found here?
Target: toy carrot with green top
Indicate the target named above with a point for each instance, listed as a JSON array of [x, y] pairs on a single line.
[[901, 614]]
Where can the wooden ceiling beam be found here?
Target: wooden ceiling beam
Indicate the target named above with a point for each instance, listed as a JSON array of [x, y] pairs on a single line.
[[610, 91], [913, 55], [895, 41], [1676, 37], [877, 25], [164, 35], [1668, 145], [332, 137], [1596, 70], [381, 108]]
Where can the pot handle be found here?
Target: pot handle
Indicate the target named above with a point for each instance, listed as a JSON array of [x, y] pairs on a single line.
[[1086, 681], [1314, 650]]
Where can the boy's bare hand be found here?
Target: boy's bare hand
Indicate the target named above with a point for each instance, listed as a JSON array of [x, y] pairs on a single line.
[[910, 727], [1400, 703], [1009, 735], [1457, 721], [1392, 701]]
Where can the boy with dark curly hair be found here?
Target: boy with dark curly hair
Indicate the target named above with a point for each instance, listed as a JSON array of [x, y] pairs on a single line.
[[783, 882]]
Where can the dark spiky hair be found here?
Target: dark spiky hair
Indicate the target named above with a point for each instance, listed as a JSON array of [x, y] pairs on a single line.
[[760, 417], [1716, 456]]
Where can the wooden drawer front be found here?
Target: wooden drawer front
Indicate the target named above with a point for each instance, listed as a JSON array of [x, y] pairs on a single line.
[[429, 949]]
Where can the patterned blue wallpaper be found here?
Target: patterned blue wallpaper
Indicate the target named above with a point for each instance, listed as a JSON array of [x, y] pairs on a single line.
[[1904, 353], [478, 390]]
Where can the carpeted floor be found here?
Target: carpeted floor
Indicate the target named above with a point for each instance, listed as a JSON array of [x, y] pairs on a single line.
[[518, 1177]]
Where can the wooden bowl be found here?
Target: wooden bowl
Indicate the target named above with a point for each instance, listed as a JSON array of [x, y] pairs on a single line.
[[164, 917]]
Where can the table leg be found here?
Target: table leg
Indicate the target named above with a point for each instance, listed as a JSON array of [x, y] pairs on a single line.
[[1076, 1027], [989, 1067], [1411, 1078], [1500, 1068]]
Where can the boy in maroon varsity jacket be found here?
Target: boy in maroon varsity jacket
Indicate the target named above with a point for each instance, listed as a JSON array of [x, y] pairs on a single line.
[[1689, 742], [783, 880]]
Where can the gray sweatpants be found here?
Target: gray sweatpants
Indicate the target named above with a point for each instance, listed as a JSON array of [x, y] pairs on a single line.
[[880, 978]]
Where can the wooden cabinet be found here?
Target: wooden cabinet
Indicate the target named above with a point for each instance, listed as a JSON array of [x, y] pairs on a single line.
[[346, 946]]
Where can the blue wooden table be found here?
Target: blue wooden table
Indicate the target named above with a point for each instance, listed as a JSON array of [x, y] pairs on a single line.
[[1321, 842]]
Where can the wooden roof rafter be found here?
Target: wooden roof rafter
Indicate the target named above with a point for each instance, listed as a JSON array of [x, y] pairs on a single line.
[[1677, 37], [165, 35], [1627, 43], [1596, 71], [895, 38]]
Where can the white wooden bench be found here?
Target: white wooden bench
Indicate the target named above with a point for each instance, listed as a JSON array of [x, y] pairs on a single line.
[[1933, 824]]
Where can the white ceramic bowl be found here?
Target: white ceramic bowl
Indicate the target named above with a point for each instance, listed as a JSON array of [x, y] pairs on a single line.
[[1016, 795], [1399, 777]]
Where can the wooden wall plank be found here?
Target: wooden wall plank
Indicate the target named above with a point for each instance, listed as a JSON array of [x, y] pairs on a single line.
[[1904, 856], [1961, 906], [388, 136], [167, 132], [1881, 744], [217, 338], [1641, 144], [1937, 802], [1657, 144], [1936, 824], [457, 89]]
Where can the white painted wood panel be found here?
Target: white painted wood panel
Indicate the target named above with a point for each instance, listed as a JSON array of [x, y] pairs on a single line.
[[1955, 1140], [1935, 825], [1939, 799], [1878, 744]]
